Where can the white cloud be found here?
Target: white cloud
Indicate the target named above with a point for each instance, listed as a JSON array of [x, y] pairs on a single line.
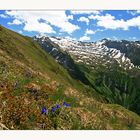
[[114, 38], [68, 37], [31, 21], [20, 32], [3, 16], [84, 19], [133, 38], [109, 22], [15, 22], [108, 38], [113, 24], [84, 38], [84, 12], [133, 12], [138, 11], [100, 17], [39, 27], [90, 32], [70, 17], [100, 30]]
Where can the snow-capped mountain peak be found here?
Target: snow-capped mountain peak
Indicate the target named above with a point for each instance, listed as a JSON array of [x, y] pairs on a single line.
[[103, 52]]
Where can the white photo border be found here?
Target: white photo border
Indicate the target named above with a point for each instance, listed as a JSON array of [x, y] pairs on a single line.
[[70, 5]]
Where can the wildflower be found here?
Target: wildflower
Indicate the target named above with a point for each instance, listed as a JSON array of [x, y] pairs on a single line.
[[44, 111], [57, 106], [54, 109], [65, 104]]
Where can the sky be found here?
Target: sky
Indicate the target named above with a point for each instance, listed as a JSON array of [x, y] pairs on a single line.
[[84, 25]]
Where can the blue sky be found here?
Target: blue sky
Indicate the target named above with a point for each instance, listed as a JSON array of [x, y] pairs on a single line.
[[80, 25]]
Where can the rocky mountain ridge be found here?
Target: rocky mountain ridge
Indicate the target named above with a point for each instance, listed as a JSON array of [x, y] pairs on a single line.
[[104, 52]]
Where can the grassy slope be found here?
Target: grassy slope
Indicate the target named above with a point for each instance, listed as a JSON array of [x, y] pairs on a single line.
[[30, 79]]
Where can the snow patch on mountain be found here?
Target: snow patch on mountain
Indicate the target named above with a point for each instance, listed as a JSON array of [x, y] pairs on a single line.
[[92, 53]]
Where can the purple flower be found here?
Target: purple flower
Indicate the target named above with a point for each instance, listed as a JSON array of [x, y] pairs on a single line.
[[44, 111], [57, 106], [54, 109], [65, 104]]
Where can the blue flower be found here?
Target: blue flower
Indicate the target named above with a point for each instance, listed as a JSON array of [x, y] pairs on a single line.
[[44, 111], [53, 109], [57, 106], [65, 104]]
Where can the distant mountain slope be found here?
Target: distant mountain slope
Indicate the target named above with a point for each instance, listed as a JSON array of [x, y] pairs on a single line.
[[104, 52], [30, 79]]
